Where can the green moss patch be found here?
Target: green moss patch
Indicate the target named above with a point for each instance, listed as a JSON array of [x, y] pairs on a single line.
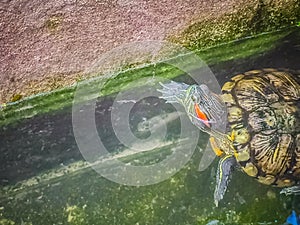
[[53, 23]]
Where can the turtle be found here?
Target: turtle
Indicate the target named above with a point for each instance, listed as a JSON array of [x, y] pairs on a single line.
[[261, 136]]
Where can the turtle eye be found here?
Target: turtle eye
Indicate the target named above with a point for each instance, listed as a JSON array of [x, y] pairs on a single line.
[[194, 98]]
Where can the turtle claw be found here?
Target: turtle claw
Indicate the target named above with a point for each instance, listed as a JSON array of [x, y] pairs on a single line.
[[173, 92], [294, 190]]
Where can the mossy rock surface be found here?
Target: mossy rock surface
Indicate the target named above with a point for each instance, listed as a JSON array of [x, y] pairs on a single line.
[[254, 18]]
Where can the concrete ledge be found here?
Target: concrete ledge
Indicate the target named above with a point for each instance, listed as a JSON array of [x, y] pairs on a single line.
[[46, 46]]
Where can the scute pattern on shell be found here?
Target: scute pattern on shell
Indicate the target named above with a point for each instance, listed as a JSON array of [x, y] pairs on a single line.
[[267, 102]]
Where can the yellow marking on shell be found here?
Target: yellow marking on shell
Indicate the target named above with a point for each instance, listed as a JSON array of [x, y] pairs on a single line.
[[269, 69], [283, 76], [235, 154], [251, 72], [238, 77], [250, 169], [257, 89], [240, 136], [228, 98], [268, 179], [236, 126], [285, 182], [228, 86], [286, 85], [242, 156], [275, 154], [290, 109], [234, 114], [232, 136], [215, 147]]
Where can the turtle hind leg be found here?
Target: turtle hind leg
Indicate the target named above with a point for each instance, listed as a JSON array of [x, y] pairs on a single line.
[[294, 190], [225, 167]]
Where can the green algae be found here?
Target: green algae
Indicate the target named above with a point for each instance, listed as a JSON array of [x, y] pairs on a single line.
[[232, 50], [16, 97], [7, 222], [53, 23], [254, 18], [77, 195], [62, 98], [185, 198]]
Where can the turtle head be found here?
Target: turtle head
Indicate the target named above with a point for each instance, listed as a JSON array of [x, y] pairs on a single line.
[[205, 108]]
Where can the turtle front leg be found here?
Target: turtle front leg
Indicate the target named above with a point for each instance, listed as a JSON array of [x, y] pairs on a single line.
[[294, 190], [225, 168], [173, 92]]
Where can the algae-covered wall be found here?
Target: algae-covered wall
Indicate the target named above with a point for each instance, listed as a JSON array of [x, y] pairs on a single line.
[[45, 46]]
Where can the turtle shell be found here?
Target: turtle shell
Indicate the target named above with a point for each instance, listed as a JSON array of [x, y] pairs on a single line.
[[264, 124]]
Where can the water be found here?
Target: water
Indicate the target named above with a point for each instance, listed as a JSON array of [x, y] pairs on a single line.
[[44, 179]]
